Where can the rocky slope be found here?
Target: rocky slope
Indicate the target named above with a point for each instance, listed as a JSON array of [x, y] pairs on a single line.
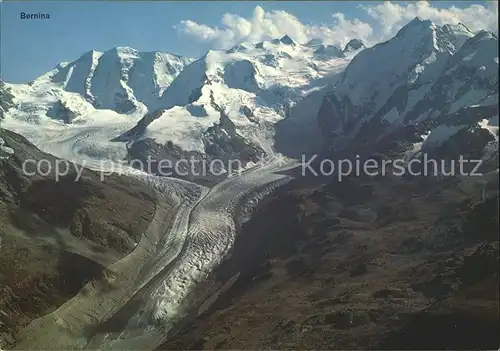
[[58, 234], [369, 263], [6, 98]]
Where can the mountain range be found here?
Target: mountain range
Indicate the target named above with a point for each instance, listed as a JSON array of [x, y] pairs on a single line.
[[273, 96]]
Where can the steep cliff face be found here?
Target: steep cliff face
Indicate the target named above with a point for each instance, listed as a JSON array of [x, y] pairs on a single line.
[[223, 142]]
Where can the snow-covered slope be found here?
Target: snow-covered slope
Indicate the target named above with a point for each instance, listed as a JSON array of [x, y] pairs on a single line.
[[415, 57], [75, 110], [253, 84], [121, 79]]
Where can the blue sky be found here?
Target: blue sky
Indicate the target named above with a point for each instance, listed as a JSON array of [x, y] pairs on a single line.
[[30, 48]]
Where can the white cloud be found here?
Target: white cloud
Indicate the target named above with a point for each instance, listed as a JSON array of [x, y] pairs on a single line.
[[269, 25], [389, 18]]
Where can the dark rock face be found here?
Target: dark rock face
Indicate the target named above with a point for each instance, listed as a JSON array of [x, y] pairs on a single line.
[[123, 103], [223, 142], [247, 111], [353, 45], [336, 117], [328, 51], [241, 75], [237, 48], [172, 161], [287, 40], [6, 98], [195, 95], [140, 127], [61, 112]]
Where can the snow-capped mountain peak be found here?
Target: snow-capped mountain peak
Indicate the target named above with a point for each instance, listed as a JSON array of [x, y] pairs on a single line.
[[427, 75], [422, 50], [164, 98], [120, 79], [124, 51], [287, 40]]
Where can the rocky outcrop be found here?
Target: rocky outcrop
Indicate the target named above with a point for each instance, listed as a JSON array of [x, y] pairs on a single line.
[[353, 45], [328, 51], [170, 160], [6, 98], [139, 129], [225, 151], [223, 142], [62, 112]]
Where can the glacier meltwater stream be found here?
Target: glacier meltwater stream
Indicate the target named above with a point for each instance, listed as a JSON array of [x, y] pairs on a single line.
[[142, 296]]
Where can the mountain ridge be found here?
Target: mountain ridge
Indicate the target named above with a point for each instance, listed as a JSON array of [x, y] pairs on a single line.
[[441, 83]]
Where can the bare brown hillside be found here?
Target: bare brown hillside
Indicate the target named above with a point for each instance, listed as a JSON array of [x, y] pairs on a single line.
[[57, 235]]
